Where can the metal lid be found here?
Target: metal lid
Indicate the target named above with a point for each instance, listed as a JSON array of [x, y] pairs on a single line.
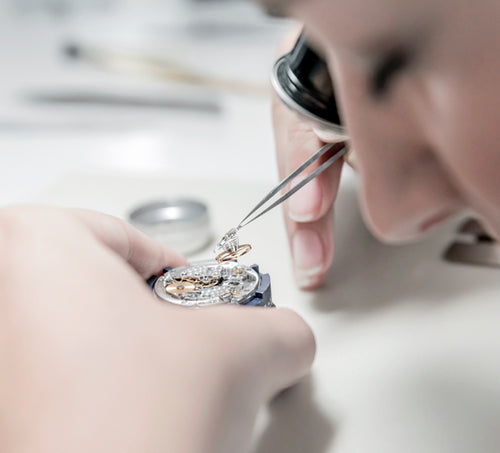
[[181, 224]]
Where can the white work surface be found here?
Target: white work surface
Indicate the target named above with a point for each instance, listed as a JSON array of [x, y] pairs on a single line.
[[408, 357], [405, 340]]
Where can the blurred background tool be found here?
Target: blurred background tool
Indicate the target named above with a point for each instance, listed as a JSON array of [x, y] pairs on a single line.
[[121, 100], [473, 246], [59, 115], [143, 64]]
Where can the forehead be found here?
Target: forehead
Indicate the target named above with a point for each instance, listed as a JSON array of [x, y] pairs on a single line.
[[353, 22]]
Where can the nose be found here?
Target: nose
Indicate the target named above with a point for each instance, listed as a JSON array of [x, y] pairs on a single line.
[[405, 190]]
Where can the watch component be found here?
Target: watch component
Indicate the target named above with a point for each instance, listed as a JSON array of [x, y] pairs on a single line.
[[211, 283], [229, 242], [230, 256], [180, 288], [228, 247]]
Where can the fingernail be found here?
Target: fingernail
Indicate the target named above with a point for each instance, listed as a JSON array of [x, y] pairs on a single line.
[[305, 203], [307, 256]]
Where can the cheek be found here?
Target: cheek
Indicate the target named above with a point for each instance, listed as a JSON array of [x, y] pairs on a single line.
[[404, 185], [403, 197], [468, 139]]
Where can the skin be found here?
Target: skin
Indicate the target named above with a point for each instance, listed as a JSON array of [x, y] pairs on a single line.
[[426, 147], [91, 361]]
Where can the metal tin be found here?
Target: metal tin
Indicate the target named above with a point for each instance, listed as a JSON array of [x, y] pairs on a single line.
[[181, 224]]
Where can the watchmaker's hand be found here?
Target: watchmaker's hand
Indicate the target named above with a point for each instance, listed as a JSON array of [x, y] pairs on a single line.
[[144, 255], [308, 213], [91, 361]]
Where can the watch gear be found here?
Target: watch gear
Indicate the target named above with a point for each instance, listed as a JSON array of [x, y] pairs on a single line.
[[230, 256], [208, 283]]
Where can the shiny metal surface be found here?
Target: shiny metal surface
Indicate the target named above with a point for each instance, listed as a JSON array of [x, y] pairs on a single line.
[[182, 224], [339, 150], [236, 284], [316, 120]]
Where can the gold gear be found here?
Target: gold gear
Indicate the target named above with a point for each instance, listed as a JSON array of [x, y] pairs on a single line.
[[197, 281], [180, 288], [229, 256]]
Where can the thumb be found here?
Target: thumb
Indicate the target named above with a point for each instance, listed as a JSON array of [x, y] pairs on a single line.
[[293, 347], [274, 346]]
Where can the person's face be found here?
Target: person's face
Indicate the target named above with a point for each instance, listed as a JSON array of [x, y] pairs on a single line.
[[419, 87]]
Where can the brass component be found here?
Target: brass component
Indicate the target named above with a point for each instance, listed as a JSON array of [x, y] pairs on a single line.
[[209, 284], [229, 256], [187, 278], [199, 282], [235, 292], [190, 282], [238, 270], [180, 288]]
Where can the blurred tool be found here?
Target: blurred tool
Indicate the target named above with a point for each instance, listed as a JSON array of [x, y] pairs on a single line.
[[121, 100], [475, 246], [97, 126], [139, 63], [182, 224]]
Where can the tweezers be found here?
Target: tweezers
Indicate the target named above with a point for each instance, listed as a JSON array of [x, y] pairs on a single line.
[[261, 209]]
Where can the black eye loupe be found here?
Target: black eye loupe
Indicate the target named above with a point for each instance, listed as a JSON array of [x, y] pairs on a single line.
[[302, 81]]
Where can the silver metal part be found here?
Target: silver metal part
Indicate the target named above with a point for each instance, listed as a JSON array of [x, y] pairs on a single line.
[[229, 242], [182, 224], [317, 122], [208, 283], [260, 209]]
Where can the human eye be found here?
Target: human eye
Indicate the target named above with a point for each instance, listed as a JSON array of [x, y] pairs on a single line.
[[386, 70]]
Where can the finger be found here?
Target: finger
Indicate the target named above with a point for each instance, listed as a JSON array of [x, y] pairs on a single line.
[[308, 214], [316, 198], [351, 159], [145, 255], [295, 143], [274, 346], [312, 248], [292, 347]]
